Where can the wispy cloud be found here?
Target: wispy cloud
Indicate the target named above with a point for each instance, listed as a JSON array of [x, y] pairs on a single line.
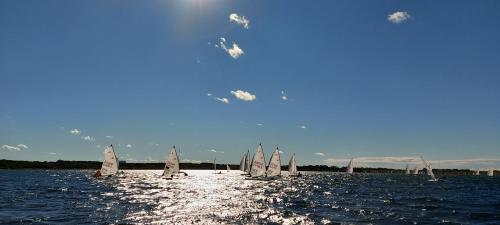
[[212, 150], [320, 153], [284, 97], [402, 160], [224, 100], [11, 148], [243, 95], [22, 146], [75, 132], [260, 124], [233, 17], [128, 146], [109, 137], [51, 153], [209, 94], [192, 161], [302, 127], [398, 17], [235, 51], [88, 138]]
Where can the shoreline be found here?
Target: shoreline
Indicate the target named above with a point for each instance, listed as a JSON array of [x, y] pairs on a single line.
[[94, 165]]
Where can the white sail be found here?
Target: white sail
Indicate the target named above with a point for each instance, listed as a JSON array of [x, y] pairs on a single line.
[[274, 168], [228, 168], [258, 163], [428, 167], [490, 172], [172, 164], [407, 169], [247, 163], [477, 172], [110, 163], [292, 166], [350, 167], [415, 170], [242, 163]]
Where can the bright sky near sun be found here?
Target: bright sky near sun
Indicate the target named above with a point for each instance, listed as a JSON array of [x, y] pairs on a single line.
[[326, 80]]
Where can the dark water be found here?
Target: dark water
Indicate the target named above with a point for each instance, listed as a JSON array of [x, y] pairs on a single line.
[[71, 197]]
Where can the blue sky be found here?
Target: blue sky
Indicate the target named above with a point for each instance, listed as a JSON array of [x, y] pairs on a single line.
[[358, 81]]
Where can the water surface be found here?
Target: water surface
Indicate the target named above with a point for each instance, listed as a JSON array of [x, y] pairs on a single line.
[[73, 197]]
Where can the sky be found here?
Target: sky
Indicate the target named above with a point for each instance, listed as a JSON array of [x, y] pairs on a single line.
[[383, 81]]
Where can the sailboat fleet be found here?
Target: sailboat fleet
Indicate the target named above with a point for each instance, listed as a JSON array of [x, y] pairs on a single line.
[[255, 168]]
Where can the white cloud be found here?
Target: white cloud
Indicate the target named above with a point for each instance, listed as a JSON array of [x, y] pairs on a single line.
[[88, 138], [52, 153], [283, 96], [400, 161], [398, 17], [75, 132], [233, 17], [234, 51], [192, 161], [22, 146], [260, 124], [209, 94], [11, 148], [212, 150], [320, 153], [302, 127], [243, 95], [128, 146], [109, 137], [224, 100]]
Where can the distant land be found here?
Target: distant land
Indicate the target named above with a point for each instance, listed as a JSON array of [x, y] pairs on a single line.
[[94, 165]]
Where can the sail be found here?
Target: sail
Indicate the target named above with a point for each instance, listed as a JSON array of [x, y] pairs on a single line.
[[274, 168], [292, 166], [415, 170], [228, 168], [110, 163], [247, 166], [428, 167], [242, 163], [477, 172], [172, 163], [490, 172], [407, 169], [350, 168], [258, 163]]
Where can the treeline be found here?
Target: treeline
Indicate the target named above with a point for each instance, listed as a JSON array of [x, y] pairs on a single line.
[[63, 164]]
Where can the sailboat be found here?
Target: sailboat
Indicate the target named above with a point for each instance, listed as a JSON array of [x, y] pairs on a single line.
[[292, 166], [415, 170], [110, 164], [258, 168], [228, 168], [428, 167], [477, 173], [407, 169], [490, 172], [172, 166], [274, 168], [350, 168], [215, 167], [242, 163], [248, 162]]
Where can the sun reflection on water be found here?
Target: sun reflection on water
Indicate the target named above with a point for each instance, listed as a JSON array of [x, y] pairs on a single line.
[[203, 197]]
